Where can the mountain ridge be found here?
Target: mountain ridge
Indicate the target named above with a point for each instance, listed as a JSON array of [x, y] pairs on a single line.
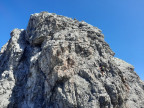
[[59, 62]]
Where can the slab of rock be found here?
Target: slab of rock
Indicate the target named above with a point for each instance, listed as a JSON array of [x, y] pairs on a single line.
[[58, 62]]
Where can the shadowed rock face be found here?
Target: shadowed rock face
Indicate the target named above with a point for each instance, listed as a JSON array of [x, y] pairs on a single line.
[[57, 63]]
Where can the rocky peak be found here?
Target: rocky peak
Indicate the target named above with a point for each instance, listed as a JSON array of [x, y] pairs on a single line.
[[58, 62]]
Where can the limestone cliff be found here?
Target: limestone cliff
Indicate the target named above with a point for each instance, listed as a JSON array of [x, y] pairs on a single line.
[[58, 62]]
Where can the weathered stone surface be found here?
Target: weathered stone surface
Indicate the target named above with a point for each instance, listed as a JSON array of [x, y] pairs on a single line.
[[57, 63]]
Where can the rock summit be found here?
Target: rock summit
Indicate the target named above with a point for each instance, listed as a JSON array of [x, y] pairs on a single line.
[[59, 62]]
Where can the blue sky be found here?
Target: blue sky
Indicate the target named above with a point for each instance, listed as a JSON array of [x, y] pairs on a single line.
[[122, 22]]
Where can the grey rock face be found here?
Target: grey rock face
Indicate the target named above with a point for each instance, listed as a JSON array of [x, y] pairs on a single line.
[[58, 62]]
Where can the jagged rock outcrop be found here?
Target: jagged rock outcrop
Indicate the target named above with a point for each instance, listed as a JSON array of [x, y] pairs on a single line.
[[58, 62]]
